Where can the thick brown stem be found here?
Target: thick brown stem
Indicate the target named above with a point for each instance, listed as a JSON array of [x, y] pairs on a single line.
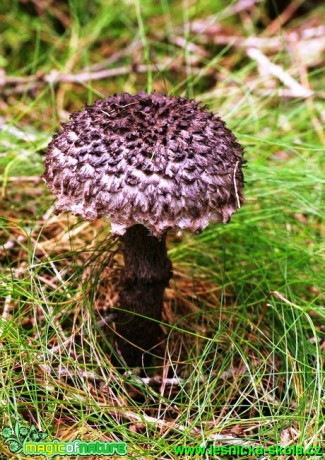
[[147, 271]]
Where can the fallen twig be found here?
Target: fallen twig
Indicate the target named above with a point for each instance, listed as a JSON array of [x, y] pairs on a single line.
[[23, 84], [277, 71], [242, 5], [207, 33], [282, 18]]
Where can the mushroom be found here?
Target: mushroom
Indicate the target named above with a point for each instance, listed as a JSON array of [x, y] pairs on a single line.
[[148, 163]]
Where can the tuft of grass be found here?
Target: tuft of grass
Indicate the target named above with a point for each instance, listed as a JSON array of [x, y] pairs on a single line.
[[244, 315]]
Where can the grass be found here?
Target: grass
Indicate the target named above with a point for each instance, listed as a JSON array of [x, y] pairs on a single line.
[[244, 315]]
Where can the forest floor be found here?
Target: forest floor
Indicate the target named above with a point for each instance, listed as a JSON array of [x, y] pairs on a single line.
[[243, 316]]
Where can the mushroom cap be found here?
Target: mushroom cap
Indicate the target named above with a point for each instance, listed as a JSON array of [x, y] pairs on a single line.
[[160, 161]]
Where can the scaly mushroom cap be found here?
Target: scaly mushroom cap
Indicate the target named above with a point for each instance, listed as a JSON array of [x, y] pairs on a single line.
[[160, 161]]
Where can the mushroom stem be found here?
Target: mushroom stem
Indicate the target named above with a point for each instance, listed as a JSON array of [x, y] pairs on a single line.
[[146, 273]]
